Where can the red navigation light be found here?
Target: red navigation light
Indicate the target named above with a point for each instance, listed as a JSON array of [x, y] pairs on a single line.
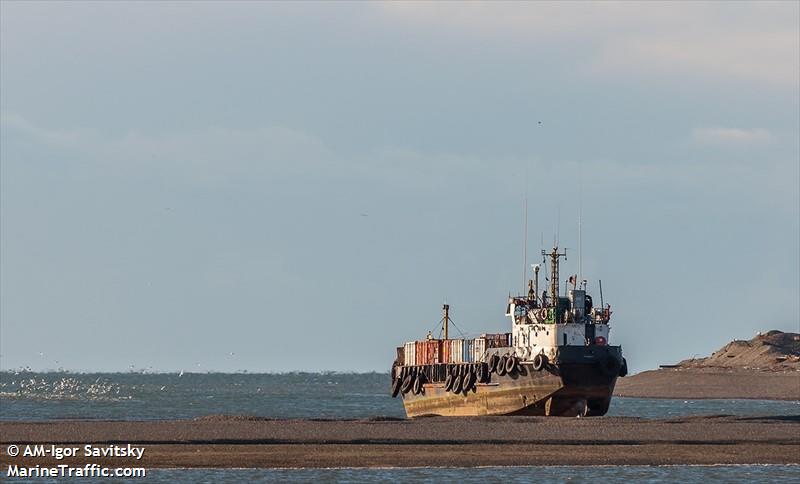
[[600, 340]]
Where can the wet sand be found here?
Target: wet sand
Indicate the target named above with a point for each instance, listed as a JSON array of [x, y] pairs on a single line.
[[700, 383], [462, 442]]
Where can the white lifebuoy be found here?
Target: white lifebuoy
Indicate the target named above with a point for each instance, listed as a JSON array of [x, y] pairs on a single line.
[[543, 314]]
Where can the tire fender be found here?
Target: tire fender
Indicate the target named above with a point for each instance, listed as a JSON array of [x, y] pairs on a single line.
[[501, 366], [539, 362], [396, 384], [493, 362], [511, 364], [469, 382], [457, 384], [408, 382], [418, 385]]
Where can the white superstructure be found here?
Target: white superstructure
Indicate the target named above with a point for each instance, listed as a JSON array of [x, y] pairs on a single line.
[[542, 324]]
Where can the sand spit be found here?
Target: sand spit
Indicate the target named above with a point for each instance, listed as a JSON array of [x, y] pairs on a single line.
[[437, 441], [702, 383], [774, 351], [765, 367]]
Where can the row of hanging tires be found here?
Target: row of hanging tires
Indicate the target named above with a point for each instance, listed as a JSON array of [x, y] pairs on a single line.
[[461, 378], [410, 379]]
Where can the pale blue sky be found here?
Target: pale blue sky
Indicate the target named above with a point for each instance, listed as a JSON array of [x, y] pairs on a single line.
[[267, 187]]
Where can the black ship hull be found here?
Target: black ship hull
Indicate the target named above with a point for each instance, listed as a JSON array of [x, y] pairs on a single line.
[[580, 381]]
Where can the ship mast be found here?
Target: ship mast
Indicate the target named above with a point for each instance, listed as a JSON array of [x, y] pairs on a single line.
[[445, 319], [554, 256]]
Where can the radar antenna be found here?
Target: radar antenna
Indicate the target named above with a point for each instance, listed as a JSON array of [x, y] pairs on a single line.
[[580, 241], [525, 247], [554, 256]]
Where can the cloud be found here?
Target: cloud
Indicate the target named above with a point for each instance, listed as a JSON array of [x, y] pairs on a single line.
[[731, 136], [769, 58], [279, 156], [202, 156], [59, 138], [754, 42]]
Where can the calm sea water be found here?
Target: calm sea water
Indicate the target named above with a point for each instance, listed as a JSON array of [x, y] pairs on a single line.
[[142, 396], [685, 474]]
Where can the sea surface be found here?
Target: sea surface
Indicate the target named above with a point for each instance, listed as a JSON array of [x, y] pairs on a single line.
[[504, 475], [157, 396]]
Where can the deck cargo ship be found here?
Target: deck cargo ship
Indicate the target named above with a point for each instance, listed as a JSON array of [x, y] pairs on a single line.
[[556, 361]]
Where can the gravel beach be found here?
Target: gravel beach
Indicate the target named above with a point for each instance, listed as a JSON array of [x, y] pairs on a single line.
[[219, 441]]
